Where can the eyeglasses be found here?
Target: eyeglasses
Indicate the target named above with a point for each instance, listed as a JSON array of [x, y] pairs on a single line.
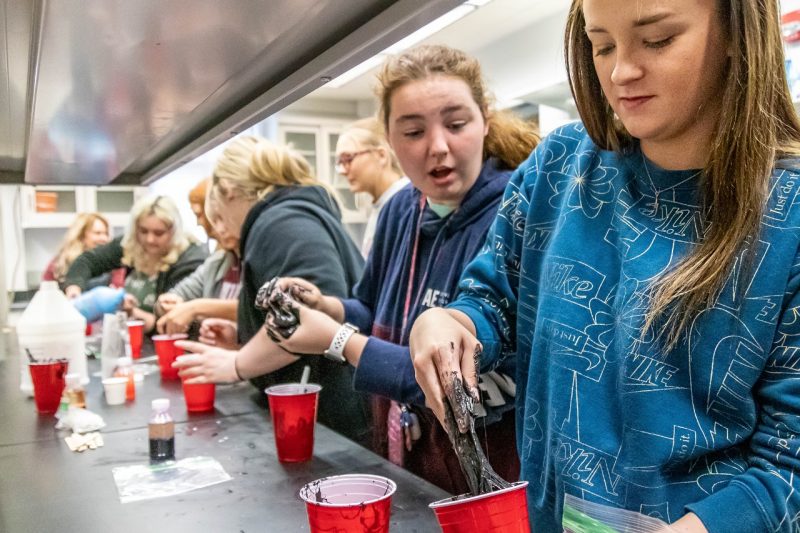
[[346, 159]]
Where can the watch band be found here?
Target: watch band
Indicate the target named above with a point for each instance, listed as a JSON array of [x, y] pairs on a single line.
[[335, 351]]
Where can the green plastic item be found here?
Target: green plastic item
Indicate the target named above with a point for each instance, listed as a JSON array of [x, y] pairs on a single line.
[[574, 521]]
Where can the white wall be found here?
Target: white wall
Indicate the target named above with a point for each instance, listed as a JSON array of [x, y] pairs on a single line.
[[527, 60], [180, 181], [13, 260]]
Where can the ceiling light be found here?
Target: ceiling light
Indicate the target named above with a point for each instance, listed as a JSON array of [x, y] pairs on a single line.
[[353, 73], [421, 34], [430, 28]]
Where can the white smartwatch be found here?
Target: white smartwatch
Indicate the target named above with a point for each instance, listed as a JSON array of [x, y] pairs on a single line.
[[335, 351]]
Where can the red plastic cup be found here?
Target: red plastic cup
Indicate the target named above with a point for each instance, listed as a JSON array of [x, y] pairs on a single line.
[[293, 408], [167, 352], [350, 502], [48, 384], [199, 396], [502, 511], [88, 331], [136, 336]]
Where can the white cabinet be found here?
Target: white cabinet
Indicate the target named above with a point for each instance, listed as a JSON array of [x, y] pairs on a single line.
[[316, 139], [50, 206], [55, 206], [35, 220]]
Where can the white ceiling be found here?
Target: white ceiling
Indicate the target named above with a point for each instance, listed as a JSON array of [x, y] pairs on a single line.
[[483, 27], [487, 28]]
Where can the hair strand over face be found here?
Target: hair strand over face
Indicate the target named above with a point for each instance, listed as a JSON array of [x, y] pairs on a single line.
[[757, 126]]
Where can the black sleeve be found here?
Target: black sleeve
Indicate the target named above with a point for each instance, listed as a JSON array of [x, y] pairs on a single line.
[[295, 244], [187, 263], [93, 263]]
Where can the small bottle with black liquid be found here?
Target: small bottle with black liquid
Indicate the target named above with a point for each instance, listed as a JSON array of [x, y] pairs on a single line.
[[162, 432]]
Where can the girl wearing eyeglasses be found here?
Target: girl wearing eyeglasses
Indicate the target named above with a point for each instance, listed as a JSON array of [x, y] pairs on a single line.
[[368, 163]]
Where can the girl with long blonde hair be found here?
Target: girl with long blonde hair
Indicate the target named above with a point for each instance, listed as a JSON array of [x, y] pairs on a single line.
[[643, 271]]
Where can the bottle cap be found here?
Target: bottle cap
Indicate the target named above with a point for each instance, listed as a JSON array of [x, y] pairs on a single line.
[[124, 361], [160, 404], [73, 380]]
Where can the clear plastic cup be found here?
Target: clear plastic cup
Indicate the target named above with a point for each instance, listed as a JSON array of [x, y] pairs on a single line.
[[293, 408], [48, 384], [167, 352], [199, 396], [136, 336], [501, 511], [350, 502], [115, 390]]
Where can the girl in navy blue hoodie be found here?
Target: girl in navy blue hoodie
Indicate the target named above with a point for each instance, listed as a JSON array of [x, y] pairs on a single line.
[[459, 155]]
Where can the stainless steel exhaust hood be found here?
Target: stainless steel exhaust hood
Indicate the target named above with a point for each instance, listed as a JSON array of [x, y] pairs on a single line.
[[98, 92]]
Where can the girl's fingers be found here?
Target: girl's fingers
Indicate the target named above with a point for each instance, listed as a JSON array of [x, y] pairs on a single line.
[[470, 364], [447, 360], [192, 346], [434, 395]]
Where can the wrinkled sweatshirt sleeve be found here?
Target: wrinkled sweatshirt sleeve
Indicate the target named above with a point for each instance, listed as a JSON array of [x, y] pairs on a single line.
[[766, 496], [358, 313], [191, 287], [386, 369], [93, 263], [358, 310], [489, 285]]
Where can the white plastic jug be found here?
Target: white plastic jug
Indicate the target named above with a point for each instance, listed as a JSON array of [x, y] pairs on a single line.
[[51, 327]]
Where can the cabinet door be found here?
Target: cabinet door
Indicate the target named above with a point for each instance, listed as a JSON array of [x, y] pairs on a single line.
[[51, 206], [115, 203], [305, 141], [317, 143]]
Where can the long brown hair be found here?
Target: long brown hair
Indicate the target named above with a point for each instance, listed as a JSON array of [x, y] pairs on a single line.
[[757, 126], [510, 139]]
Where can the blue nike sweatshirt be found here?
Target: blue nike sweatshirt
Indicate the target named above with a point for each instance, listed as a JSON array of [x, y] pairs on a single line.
[[603, 412]]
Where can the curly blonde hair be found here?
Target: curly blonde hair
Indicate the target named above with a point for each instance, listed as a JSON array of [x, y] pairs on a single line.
[[134, 256]]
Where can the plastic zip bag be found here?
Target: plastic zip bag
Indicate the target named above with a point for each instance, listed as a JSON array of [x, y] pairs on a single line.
[[143, 482], [581, 516], [80, 420]]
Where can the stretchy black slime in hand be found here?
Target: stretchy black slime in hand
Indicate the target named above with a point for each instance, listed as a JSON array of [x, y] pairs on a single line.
[[283, 315], [481, 477]]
